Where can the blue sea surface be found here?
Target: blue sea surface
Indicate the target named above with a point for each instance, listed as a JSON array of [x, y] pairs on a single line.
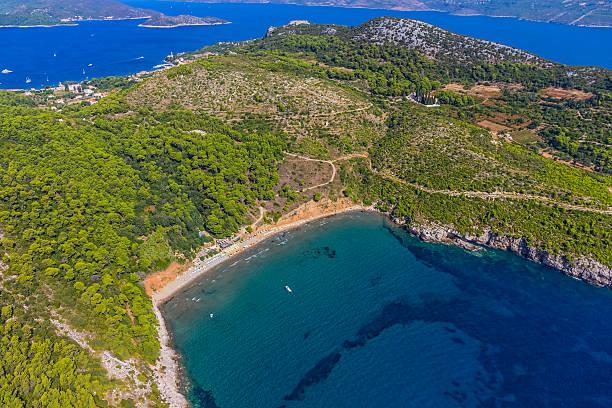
[[377, 318], [50, 55]]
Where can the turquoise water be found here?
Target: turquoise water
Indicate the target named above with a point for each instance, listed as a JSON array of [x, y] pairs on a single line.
[[50, 55], [377, 318]]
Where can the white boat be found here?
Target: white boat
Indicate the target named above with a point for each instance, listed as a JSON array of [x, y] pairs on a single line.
[[211, 315], [6, 71], [140, 58], [28, 80], [288, 289], [90, 65]]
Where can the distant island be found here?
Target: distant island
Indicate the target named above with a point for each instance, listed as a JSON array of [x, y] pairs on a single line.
[[37, 13], [573, 12], [164, 21]]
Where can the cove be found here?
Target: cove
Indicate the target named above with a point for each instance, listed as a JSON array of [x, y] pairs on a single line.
[[50, 55], [377, 318]]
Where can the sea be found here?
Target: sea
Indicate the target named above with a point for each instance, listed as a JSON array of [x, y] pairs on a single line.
[[92, 49], [351, 312]]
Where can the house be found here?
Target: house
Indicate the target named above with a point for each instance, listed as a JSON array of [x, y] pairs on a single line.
[[224, 243], [76, 88]]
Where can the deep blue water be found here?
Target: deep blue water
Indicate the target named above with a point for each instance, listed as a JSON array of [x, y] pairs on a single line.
[[379, 319], [114, 47]]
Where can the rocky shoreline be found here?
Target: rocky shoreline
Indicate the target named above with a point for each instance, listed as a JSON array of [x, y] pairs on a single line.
[[167, 368], [583, 268]]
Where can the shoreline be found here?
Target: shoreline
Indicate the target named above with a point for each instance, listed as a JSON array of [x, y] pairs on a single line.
[[73, 23], [167, 367], [39, 26], [144, 25], [167, 370], [200, 268]]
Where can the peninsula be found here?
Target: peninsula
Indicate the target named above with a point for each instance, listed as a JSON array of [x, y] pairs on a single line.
[[109, 204], [39, 13]]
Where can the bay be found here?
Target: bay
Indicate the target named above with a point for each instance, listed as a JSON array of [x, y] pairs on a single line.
[[53, 54], [377, 318]]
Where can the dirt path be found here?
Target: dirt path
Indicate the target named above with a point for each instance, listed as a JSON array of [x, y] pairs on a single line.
[[453, 193], [261, 215], [330, 162]]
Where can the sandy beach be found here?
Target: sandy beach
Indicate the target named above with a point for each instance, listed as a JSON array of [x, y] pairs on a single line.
[[176, 278], [306, 213]]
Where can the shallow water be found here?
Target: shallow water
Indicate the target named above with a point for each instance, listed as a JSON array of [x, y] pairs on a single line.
[[115, 47], [377, 318]]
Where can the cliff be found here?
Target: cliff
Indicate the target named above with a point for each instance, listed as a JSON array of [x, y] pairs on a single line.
[[583, 268]]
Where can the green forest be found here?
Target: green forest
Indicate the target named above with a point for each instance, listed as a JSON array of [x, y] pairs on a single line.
[[89, 203]]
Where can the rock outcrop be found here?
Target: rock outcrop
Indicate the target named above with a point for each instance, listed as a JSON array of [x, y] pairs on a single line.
[[583, 267]]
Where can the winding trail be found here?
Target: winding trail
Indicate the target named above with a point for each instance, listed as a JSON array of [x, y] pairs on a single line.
[[331, 163], [451, 193]]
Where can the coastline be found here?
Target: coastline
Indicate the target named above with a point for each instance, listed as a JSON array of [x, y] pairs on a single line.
[[182, 25], [167, 370], [167, 373], [73, 23], [298, 217], [39, 26]]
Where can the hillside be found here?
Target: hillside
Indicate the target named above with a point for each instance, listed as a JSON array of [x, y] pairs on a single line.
[[574, 12], [487, 147], [558, 108], [52, 12]]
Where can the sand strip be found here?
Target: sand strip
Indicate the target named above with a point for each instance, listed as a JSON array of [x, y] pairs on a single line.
[[297, 218]]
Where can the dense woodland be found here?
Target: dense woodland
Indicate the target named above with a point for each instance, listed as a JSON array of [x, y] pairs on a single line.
[[90, 202], [94, 198]]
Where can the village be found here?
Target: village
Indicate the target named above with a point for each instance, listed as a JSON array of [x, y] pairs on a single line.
[[90, 91]]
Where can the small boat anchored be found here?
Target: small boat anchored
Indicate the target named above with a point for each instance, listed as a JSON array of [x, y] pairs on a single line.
[[90, 65], [211, 315], [288, 289], [28, 80]]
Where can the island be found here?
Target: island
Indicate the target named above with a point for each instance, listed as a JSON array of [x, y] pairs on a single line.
[[572, 12], [164, 21], [41, 13], [116, 193]]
